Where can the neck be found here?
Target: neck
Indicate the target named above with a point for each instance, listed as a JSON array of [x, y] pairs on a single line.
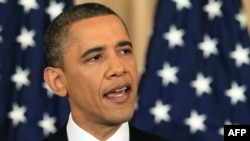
[[100, 131]]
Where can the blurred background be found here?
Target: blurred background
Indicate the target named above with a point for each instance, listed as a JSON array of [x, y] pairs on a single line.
[[193, 59]]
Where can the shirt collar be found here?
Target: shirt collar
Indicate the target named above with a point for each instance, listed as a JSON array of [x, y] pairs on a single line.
[[75, 133]]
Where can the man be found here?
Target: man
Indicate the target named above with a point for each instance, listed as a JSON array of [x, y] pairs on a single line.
[[91, 61]]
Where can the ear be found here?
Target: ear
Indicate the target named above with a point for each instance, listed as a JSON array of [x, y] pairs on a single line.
[[54, 79]]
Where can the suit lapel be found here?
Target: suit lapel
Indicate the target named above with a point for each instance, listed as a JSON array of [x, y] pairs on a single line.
[[135, 134]]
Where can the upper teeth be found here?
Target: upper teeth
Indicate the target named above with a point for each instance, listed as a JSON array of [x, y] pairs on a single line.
[[122, 89]]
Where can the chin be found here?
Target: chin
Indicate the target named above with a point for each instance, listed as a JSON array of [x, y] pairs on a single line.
[[120, 118]]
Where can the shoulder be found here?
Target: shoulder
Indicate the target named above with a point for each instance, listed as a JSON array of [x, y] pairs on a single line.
[[137, 134], [60, 135]]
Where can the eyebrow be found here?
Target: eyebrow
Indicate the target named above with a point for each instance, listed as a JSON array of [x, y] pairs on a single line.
[[101, 48], [124, 43], [92, 50]]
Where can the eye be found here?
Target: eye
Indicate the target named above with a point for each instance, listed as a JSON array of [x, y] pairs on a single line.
[[95, 58], [126, 51]]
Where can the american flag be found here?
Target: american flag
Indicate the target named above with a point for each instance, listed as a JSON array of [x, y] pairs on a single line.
[[28, 109], [196, 77]]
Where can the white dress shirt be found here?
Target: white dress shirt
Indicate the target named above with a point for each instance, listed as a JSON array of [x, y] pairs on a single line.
[[75, 133]]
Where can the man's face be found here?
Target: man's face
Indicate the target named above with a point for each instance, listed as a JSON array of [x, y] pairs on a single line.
[[100, 71]]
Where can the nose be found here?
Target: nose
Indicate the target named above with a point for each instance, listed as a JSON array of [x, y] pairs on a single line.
[[115, 67]]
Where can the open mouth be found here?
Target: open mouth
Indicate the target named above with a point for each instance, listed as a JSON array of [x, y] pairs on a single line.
[[118, 94]]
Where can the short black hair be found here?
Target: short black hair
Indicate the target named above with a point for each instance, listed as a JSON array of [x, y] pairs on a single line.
[[56, 34]]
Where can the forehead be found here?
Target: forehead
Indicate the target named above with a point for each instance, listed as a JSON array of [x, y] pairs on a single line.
[[97, 30], [99, 23], [102, 31]]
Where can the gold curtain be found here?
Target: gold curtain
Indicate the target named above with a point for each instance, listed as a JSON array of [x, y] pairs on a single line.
[[139, 15]]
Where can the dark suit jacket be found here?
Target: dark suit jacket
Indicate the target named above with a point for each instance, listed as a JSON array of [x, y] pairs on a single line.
[[135, 135]]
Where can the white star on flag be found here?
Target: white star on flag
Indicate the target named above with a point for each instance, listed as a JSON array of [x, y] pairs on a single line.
[[180, 4], [136, 103], [1, 38], [195, 122], [242, 19], [168, 74], [240, 55], [213, 9], [49, 91], [208, 46], [174, 36], [221, 130], [3, 1], [160, 112], [26, 38], [201, 84], [54, 9], [17, 114], [48, 124], [21, 77], [236, 93], [28, 5]]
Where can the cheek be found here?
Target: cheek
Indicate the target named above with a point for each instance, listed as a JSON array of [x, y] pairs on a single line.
[[135, 75], [133, 70], [85, 91], [82, 82], [92, 82]]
